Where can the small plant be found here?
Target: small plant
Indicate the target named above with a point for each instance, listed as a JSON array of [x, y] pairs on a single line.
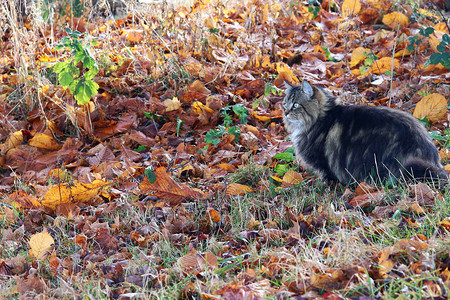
[[214, 135], [368, 62], [288, 157], [77, 72], [441, 56], [314, 7]]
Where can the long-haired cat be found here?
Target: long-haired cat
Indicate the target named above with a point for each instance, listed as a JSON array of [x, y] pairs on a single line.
[[357, 143]]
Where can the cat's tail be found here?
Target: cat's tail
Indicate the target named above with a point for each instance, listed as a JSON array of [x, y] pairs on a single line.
[[419, 169]]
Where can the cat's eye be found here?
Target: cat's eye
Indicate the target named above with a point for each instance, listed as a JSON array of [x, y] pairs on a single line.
[[296, 105]]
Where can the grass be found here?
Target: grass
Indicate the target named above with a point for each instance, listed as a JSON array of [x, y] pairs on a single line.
[[275, 242]]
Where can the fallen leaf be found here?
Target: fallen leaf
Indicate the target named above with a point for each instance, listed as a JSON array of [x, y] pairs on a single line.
[[72, 193], [237, 189], [166, 188], [384, 65], [350, 7], [40, 244], [172, 104], [292, 177], [395, 19], [358, 56], [44, 141], [433, 106]]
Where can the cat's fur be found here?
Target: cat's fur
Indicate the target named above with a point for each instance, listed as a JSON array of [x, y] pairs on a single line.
[[356, 143]]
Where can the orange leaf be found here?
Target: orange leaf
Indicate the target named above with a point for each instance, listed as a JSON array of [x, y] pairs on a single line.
[[213, 214], [238, 189], [350, 7], [395, 19], [433, 106], [166, 188]]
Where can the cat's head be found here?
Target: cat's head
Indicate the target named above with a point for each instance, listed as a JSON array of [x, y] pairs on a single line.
[[304, 104]]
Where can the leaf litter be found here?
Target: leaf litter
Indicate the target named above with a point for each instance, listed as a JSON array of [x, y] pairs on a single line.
[[131, 191]]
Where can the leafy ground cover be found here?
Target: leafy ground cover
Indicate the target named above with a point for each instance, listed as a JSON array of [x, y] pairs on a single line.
[[145, 156]]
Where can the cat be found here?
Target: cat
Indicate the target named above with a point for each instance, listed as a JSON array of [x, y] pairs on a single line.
[[357, 143]]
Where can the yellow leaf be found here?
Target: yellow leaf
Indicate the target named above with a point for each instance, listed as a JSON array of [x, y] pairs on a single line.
[[43, 141], [395, 19], [358, 56], [200, 107], [12, 141], [238, 189], [384, 65], [40, 243], [350, 7], [172, 104], [72, 193], [433, 106]]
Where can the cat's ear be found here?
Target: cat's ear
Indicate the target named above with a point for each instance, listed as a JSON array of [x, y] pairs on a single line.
[[288, 85], [307, 89]]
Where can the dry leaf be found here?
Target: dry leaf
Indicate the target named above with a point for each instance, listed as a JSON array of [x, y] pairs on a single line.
[[44, 141], [292, 178], [358, 56], [433, 106], [350, 8], [172, 104], [238, 189], [395, 19], [166, 188], [72, 193], [384, 65], [40, 243]]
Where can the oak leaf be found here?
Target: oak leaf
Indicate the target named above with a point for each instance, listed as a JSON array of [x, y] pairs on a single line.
[[433, 106], [172, 104], [40, 244]]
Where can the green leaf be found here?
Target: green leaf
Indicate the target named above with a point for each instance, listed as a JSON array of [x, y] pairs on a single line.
[[89, 62], [281, 169], [435, 58], [440, 48], [428, 31], [151, 176], [65, 79], [73, 85], [90, 74], [285, 156], [83, 93], [59, 67], [242, 112]]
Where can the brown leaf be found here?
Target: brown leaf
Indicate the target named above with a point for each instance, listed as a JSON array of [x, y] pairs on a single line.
[[433, 106], [166, 188]]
